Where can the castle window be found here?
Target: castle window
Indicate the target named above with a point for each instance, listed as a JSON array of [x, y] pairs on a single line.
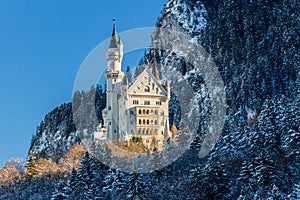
[[146, 102], [135, 102], [153, 86], [147, 89], [144, 121], [144, 111], [109, 108], [140, 111], [155, 112], [140, 121], [156, 90], [162, 133], [162, 113], [131, 112], [158, 103], [147, 121], [147, 112], [155, 122]]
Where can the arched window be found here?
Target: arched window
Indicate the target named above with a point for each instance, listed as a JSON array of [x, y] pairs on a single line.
[[147, 121], [140, 111], [144, 111], [147, 89], [140, 121], [144, 121]]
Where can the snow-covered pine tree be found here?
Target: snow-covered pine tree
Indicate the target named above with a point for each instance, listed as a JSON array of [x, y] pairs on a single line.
[[295, 194], [114, 184], [80, 182], [59, 191], [136, 187], [99, 172], [265, 175], [129, 74], [214, 178]]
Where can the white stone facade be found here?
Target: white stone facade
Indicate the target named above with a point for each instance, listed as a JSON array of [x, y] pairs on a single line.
[[137, 109]]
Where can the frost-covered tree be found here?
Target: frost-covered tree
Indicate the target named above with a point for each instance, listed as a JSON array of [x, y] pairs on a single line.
[[215, 179], [71, 160], [136, 187], [114, 184], [46, 167]]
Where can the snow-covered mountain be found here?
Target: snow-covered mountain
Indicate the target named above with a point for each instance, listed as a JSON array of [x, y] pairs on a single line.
[[63, 127], [255, 45]]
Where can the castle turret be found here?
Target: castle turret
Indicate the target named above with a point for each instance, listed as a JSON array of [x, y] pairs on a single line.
[[168, 89], [114, 54], [114, 77], [155, 71]]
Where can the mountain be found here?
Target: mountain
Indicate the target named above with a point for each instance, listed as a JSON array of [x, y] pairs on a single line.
[[67, 124], [255, 46]]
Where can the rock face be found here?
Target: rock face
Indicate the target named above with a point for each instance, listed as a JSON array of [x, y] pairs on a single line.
[[55, 134], [255, 45], [67, 124]]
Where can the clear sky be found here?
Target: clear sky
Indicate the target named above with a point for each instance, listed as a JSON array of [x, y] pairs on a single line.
[[42, 44]]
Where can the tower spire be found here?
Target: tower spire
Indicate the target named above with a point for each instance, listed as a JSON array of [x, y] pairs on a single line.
[[114, 40], [114, 27], [155, 71]]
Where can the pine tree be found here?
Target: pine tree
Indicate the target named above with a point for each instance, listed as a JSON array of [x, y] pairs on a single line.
[[136, 187], [245, 179], [99, 172], [265, 174], [114, 184], [80, 182], [197, 176], [31, 168], [72, 180], [214, 178], [59, 192], [295, 194], [128, 74]]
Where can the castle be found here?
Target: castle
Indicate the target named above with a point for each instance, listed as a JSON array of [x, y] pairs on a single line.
[[133, 110]]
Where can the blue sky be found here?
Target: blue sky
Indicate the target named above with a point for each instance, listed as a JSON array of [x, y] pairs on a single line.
[[42, 44]]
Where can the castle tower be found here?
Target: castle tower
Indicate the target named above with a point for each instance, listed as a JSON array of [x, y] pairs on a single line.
[[114, 77]]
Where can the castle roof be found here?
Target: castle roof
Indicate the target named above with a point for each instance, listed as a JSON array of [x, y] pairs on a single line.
[[138, 85], [114, 40]]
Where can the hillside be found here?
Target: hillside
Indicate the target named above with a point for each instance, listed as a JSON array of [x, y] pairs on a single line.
[[255, 45]]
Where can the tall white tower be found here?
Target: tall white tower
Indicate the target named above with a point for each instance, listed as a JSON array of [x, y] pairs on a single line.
[[114, 77]]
